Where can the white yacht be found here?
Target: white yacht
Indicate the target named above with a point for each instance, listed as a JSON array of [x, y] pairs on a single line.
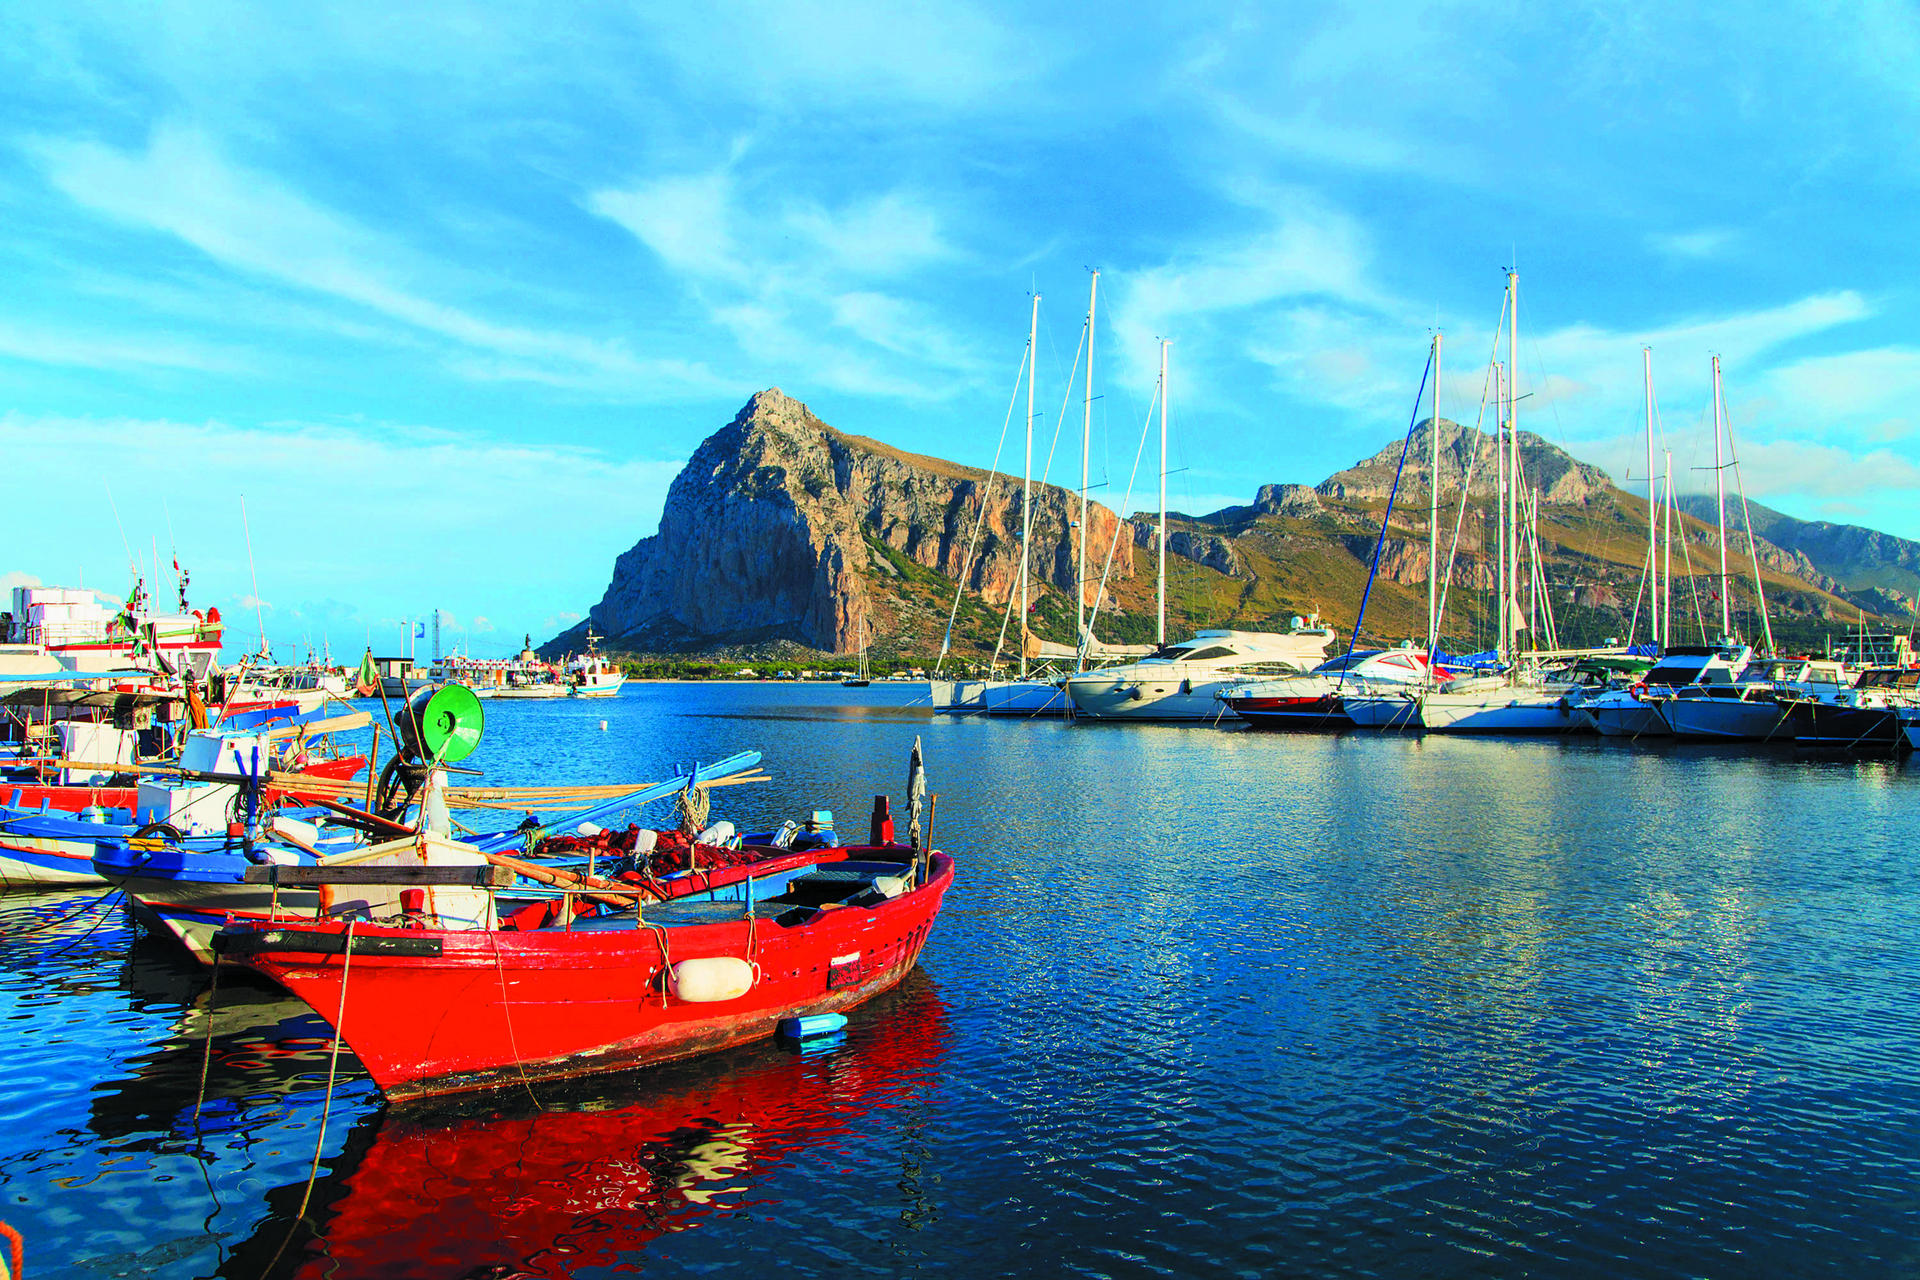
[[1180, 682], [1635, 712]]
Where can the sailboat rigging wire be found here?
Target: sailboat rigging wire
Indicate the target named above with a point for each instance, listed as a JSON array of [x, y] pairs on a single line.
[[1693, 583], [115, 508], [1466, 483], [259, 612], [1746, 518], [1119, 524], [1354, 638], [986, 499], [1006, 615], [1066, 397]]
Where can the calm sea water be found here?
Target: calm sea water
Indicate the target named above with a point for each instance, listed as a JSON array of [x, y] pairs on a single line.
[[1202, 1003]]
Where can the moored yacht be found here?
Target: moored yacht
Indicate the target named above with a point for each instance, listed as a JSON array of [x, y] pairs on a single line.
[[1634, 712], [1180, 682], [1749, 709], [1864, 718]]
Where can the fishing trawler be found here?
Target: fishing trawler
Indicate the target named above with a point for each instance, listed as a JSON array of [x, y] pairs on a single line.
[[590, 675]]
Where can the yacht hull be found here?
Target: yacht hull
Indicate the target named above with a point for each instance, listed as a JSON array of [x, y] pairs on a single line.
[[1148, 699], [1726, 719], [1506, 711], [1383, 711]]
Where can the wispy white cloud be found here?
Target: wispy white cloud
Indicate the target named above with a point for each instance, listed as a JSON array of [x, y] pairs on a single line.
[[182, 185], [1856, 391], [1707, 242], [124, 350], [800, 290]]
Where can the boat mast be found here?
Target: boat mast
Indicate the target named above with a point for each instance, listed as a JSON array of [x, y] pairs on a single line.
[[1160, 590], [1720, 505], [1511, 606], [1666, 553], [1499, 503], [1653, 537], [1026, 484], [1433, 514], [1081, 637], [1499, 513]]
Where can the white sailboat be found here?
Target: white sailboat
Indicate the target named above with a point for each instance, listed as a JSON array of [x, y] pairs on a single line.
[[1030, 693], [860, 679], [1519, 700]]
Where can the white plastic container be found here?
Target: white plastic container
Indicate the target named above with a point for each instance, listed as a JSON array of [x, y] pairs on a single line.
[[94, 744]]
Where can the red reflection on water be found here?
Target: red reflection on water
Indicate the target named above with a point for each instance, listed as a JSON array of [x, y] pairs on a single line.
[[590, 1181]]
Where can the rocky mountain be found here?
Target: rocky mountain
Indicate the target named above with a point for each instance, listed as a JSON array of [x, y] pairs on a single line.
[[1561, 479], [1877, 571], [782, 530]]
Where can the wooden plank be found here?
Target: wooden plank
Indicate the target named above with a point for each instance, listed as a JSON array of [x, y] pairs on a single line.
[[314, 728], [481, 877]]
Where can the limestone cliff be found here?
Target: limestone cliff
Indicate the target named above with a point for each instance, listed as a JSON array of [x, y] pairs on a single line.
[[781, 527]]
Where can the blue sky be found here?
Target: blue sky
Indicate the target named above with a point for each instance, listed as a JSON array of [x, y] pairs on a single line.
[[450, 292]]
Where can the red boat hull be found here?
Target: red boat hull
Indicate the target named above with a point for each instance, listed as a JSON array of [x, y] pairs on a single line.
[[495, 1007], [1321, 712], [591, 1179]]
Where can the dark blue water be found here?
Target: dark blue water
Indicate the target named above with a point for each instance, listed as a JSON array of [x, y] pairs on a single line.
[[1201, 1003]]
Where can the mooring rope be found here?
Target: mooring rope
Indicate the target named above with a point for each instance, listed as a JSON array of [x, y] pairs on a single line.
[[326, 1103]]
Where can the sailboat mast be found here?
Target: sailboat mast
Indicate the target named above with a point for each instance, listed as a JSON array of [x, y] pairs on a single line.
[[1081, 638], [1433, 512], [1026, 484], [1160, 587], [1499, 504], [1511, 606], [1666, 554], [1653, 537], [1720, 505]]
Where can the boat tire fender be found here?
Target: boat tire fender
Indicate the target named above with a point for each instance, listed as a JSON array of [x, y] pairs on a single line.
[[158, 831]]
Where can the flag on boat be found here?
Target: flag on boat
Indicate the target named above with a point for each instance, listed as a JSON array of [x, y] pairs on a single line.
[[366, 681]]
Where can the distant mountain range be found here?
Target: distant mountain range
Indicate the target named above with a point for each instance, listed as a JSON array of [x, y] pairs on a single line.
[[783, 534], [1876, 571]]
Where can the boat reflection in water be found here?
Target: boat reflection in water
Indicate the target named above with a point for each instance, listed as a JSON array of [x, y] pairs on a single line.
[[598, 1168]]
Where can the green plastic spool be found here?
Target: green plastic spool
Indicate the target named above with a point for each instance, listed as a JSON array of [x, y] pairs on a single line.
[[443, 723]]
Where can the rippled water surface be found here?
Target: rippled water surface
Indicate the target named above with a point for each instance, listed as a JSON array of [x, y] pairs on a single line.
[[1201, 1002]]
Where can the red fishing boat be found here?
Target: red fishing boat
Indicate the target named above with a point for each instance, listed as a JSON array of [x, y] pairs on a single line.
[[431, 1010]]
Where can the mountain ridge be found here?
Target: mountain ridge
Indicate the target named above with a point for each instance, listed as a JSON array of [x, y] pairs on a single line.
[[784, 530]]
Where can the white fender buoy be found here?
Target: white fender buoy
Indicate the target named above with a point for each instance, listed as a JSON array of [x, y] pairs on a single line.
[[603, 726], [712, 979]]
